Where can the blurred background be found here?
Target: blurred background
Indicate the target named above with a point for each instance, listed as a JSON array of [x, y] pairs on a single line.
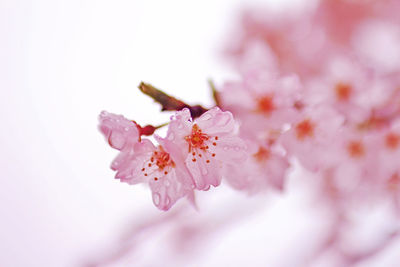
[[61, 63]]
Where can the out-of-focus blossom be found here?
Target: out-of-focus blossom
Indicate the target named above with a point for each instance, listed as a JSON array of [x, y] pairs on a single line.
[[266, 168], [262, 102], [311, 138]]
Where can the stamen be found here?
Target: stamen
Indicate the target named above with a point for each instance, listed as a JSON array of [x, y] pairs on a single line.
[[304, 129], [343, 91]]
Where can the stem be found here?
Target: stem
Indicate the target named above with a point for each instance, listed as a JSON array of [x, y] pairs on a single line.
[[169, 103]]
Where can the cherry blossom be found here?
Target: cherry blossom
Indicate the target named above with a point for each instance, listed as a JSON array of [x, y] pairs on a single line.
[[264, 169], [310, 139], [205, 144], [142, 162], [262, 102]]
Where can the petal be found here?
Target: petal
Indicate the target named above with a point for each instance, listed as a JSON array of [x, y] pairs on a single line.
[[119, 131], [204, 174], [169, 188], [129, 163], [230, 149], [216, 121]]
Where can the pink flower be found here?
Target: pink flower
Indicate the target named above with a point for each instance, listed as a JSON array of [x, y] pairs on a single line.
[[350, 88], [120, 132], [389, 168], [265, 168], [205, 144], [262, 102], [296, 43], [357, 169], [311, 138], [142, 162], [168, 180]]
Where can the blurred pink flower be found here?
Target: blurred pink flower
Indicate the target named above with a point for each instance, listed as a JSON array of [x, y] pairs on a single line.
[[262, 102], [311, 138], [265, 169]]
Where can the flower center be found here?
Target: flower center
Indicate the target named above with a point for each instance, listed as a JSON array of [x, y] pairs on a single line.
[[304, 129], [392, 141], [343, 91], [160, 162], [262, 154], [265, 104], [356, 149], [198, 140]]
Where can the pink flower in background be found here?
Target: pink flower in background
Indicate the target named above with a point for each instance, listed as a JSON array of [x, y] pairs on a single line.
[[205, 144], [262, 102], [265, 168], [311, 138]]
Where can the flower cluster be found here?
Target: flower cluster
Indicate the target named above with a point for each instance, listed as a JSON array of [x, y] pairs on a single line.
[[191, 157], [311, 86], [310, 90]]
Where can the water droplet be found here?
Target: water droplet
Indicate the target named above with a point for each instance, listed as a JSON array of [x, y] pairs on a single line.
[[171, 136], [167, 201], [156, 199], [180, 126], [237, 148], [126, 128], [115, 163], [167, 183], [226, 147]]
